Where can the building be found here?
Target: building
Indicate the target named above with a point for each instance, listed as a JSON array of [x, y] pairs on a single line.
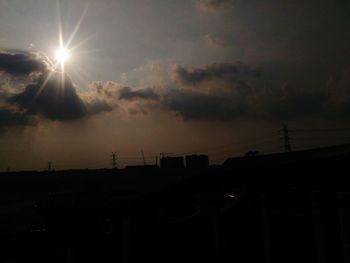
[[172, 162], [197, 161]]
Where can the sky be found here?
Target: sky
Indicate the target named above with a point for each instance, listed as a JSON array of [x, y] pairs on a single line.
[[191, 76]]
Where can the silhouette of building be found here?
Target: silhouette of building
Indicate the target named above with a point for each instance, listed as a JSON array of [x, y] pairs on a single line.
[[172, 162], [197, 161]]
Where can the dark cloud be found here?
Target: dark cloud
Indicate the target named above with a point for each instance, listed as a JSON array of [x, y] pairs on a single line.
[[289, 105], [110, 94], [105, 89], [244, 96], [51, 97], [192, 105], [12, 116], [49, 94], [214, 92], [22, 63], [194, 76], [126, 93], [241, 98], [104, 97]]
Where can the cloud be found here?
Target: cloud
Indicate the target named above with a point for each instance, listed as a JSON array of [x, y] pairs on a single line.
[[52, 97], [212, 5], [103, 98], [214, 41], [105, 89], [194, 76], [34, 88], [12, 116], [110, 95], [286, 103], [212, 92], [96, 106], [192, 105], [249, 104], [234, 91], [23, 62], [125, 93]]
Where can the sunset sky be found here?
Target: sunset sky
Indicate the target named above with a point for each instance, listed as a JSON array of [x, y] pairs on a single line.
[[189, 76]]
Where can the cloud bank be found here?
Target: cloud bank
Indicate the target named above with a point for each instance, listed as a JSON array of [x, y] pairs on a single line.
[[234, 91], [213, 92]]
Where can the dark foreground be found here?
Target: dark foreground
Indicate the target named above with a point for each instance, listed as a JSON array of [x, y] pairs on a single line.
[[282, 208]]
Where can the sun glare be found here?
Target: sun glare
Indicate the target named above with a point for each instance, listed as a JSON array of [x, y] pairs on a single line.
[[62, 55]]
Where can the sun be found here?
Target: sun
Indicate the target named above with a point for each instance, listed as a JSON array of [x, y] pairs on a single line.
[[62, 55]]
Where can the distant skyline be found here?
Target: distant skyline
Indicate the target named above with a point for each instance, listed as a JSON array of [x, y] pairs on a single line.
[[212, 76]]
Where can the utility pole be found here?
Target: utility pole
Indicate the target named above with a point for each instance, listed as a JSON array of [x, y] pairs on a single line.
[[143, 157], [114, 160], [286, 138]]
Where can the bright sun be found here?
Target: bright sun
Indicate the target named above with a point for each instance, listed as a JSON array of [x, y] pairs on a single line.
[[62, 55]]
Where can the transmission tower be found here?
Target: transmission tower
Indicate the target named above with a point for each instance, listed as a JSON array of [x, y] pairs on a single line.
[[50, 166], [114, 160]]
